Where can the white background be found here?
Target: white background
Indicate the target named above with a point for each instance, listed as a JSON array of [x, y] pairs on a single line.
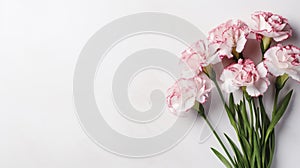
[[40, 42]]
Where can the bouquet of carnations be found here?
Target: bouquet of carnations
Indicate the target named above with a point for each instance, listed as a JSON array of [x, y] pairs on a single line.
[[241, 84]]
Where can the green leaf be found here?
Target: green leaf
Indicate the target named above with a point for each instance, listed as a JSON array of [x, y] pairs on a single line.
[[247, 148], [222, 158], [253, 161], [231, 118], [272, 149], [282, 108], [231, 104], [245, 116], [241, 161], [257, 150], [240, 123], [264, 117]]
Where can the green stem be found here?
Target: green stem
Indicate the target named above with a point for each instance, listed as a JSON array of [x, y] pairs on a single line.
[[218, 138], [272, 149], [272, 138], [257, 116], [277, 90], [275, 102], [251, 112], [219, 90], [251, 129]]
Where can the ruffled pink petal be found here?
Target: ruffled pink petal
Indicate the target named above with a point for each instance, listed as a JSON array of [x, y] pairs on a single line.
[[281, 37], [271, 25], [241, 44], [258, 88], [229, 35], [262, 70], [273, 69], [181, 96], [227, 76], [294, 74], [271, 52], [204, 87], [281, 60]]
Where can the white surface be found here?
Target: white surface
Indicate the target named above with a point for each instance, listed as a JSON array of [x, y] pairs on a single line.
[[39, 44]]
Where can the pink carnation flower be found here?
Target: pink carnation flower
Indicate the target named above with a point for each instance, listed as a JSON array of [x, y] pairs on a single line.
[[230, 35], [283, 60], [245, 74], [182, 95], [271, 25], [199, 55], [204, 86]]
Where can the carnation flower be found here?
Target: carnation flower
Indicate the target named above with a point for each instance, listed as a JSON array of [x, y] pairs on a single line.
[[183, 94], [199, 55], [230, 37], [204, 86], [271, 25], [283, 60], [245, 74]]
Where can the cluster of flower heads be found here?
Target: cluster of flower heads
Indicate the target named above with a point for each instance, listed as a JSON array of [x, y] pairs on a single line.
[[227, 42]]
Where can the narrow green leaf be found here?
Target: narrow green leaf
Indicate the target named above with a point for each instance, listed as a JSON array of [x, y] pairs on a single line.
[[247, 148], [268, 151], [253, 161], [257, 116], [222, 158], [231, 118], [282, 108], [257, 150], [241, 161], [272, 149], [247, 128], [231, 104], [264, 117], [240, 123]]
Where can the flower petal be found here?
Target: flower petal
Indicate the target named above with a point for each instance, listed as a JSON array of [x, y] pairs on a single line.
[[258, 88]]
